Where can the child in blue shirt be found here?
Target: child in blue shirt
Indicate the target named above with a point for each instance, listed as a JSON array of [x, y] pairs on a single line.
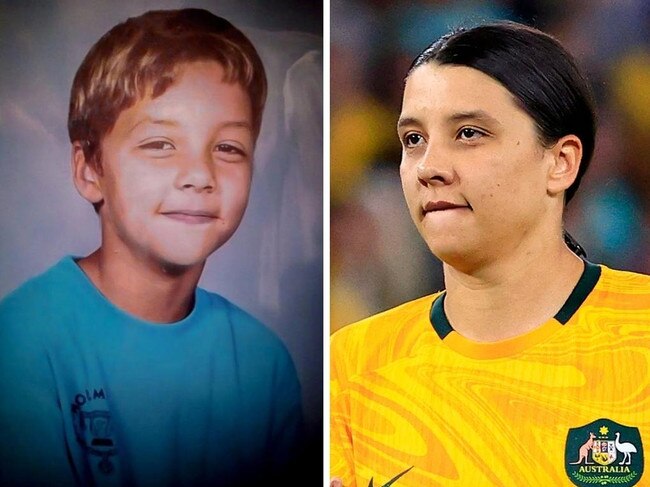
[[115, 369]]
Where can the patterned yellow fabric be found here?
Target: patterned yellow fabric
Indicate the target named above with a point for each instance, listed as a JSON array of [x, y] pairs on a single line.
[[477, 414]]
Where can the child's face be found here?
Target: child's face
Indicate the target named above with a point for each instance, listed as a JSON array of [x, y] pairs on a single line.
[[177, 170]]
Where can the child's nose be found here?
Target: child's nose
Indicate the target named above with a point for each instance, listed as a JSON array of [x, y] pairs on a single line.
[[197, 172]]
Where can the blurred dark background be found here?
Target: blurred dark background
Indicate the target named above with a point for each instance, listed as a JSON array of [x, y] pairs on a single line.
[[377, 258]]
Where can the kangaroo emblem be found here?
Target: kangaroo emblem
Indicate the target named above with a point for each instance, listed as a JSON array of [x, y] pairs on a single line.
[[584, 450]]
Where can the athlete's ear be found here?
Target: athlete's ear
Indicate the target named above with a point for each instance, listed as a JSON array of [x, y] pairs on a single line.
[[85, 175], [565, 155]]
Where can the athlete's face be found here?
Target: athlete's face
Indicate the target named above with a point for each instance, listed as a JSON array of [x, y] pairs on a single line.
[[472, 164], [176, 170]]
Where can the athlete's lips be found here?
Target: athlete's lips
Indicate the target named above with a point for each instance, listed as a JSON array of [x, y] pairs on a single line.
[[191, 216], [433, 206]]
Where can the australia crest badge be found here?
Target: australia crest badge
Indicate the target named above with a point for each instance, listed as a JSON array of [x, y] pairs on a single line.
[[604, 452]]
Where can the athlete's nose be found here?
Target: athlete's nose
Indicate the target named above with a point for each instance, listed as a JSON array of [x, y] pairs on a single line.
[[435, 168]]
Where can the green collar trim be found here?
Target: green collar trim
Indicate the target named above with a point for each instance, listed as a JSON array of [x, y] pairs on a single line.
[[584, 286], [438, 318]]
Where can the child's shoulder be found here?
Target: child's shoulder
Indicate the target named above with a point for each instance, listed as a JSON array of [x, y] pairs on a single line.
[[39, 293], [250, 335], [31, 315]]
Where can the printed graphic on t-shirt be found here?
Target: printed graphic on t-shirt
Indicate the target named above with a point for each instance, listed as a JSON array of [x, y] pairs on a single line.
[[92, 426]]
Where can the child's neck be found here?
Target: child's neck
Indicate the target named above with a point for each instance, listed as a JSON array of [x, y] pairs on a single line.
[[150, 292]]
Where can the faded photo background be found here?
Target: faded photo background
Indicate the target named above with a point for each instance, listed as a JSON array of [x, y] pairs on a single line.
[[272, 267], [378, 260]]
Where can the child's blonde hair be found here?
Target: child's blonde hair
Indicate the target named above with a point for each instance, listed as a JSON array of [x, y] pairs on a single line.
[[143, 56]]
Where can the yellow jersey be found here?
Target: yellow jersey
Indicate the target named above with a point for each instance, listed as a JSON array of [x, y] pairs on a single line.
[[414, 404]]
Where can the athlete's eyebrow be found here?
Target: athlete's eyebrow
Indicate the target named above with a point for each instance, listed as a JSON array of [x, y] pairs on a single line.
[[478, 115], [407, 121]]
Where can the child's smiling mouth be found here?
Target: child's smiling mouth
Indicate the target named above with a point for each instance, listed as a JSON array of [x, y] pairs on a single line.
[[191, 216]]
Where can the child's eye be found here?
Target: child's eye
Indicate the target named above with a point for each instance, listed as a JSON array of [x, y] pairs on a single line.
[[230, 150], [469, 134], [158, 145]]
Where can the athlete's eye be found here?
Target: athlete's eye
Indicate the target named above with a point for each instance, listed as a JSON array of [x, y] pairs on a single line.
[[412, 139], [469, 134]]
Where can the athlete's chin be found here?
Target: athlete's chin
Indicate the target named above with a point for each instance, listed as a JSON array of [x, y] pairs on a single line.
[[448, 241], [456, 252]]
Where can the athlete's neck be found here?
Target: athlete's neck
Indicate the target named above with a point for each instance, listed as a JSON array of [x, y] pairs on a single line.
[[513, 296], [151, 292]]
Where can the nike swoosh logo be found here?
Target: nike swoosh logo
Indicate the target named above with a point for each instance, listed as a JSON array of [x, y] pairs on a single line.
[[393, 480]]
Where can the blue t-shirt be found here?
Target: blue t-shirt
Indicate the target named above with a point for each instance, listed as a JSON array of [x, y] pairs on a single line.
[[90, 395]]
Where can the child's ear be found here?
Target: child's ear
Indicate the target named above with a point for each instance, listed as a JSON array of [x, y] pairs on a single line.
[[566, 156], [85, 175]]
